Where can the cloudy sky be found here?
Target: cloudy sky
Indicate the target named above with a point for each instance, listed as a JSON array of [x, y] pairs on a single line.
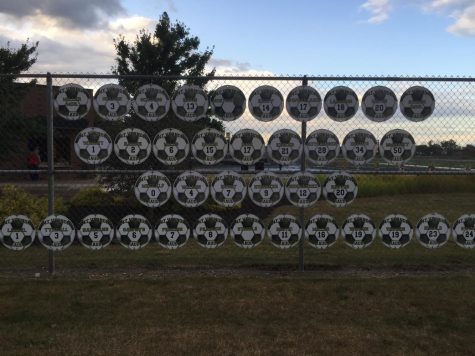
[[411, 37]]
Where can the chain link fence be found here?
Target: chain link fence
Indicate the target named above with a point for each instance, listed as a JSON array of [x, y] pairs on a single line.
[[39, 149]]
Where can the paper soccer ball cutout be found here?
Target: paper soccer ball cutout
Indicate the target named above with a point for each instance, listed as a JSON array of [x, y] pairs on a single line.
[[190, 189], [379, 104], [321, 231], [210, 231], [284, 231], [463, 231], [359, 147], [134, 232], [303, 103], [341, 104], [247, 231], [266, 103], [417, 103], [112, 102], [171, 146], [72, 102], [340, 189], [56, 232], [397, 147], [172, 231], [132, 146], [266, 189], [153, 189], [190, 103], [228, 103], [151, 103], [228, 189], [209, 146], [433, 230], [247, 147], [358, 231], [303, 189], [284, 147], [95, 232], [17, 232], [395, 231], [322, 147], [93, 145]]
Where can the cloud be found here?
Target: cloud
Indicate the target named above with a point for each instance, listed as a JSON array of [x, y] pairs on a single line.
[[379, 10], [462, 11], [80, 14]]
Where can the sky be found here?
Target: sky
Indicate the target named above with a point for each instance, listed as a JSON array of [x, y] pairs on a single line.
[[345, 37]]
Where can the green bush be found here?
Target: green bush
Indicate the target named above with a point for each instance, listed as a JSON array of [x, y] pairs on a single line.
[[94, 197], [14, 200]]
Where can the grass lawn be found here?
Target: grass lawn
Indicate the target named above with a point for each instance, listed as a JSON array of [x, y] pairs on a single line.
[[233, 301]]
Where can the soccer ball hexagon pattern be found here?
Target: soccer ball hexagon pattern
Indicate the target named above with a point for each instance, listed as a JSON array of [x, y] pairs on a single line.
[[359, 147], [228, 189], [397, 147], [284, 231], [395, 231], [190, 189], [56, 232], [247, 231], [210, 231], [321, 231], [112, 102], [322, 147], [132, 146], [134, 232], [190, 103], [153, 189], [379, 104], [340, 189], [266, 189], [303, 189], [341, 103], [17, 232], [247, 147], [171, 146], [172, 231], [93, 145], [433, 230], [209, 146], [266, 103], [417, 103], [284, 147], [228, 103], [358, 231], [95, 232], [151, 102], [463, 231], [304, 103], [72, 102]]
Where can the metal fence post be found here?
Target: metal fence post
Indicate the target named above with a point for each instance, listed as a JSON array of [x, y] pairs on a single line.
[[302, 169], [50, 143]]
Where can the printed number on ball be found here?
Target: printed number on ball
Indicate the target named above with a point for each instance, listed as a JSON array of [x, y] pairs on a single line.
[[209, 146], [397, 147], [417, 103], [359, 147], [153, 189], [132, 146], [247, 147], [303, 103], [285, 147], [266, 189], [321, 231], [17, 232], [266, 103], [340, 189], [433, 230], [172, 231], [247, 231], [228, 189], [463, 231], [151, 103], [56, 232], [379, 104], [322, 147], [171, 146], [210, 231], [93, 145], [190, 103], [358, 231], [190, 189], [95, 231], [112, 102], [228, 103], [134, 232], [303, 189], [284, 231], [395, 231], [341, 104], [72, 102]]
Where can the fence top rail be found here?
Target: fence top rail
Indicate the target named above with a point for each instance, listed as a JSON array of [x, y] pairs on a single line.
[[240, 77]]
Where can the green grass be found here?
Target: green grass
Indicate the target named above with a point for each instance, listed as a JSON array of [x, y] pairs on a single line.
[[236, 315]]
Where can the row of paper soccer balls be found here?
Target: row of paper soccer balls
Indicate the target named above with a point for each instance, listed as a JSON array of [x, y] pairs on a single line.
[[266, 103], [57, 232], [228, 188], [209, 146]]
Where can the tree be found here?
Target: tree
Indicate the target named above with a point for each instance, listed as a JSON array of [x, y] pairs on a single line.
[[169, 51], [12, 124], [449, 147]]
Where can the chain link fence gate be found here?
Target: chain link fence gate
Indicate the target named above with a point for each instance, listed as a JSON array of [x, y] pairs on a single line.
[[443, 158]]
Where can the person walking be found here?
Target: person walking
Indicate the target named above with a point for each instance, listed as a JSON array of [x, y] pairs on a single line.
[[33, 163]]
